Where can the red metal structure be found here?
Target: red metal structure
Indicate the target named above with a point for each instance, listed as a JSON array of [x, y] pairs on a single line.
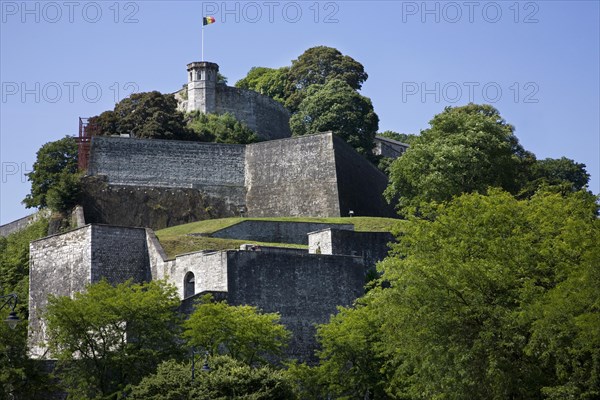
[[83, 143]]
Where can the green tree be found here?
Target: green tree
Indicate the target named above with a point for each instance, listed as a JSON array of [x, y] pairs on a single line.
[[19, 376], [268, 81], [109, 337], [562, 173], [467, 149], [227, 379], [350, 366], [241, 332], [465, 288], [53, 170], [488, 297], [143, 115], [337, 107], [317, 66], [223, 128]]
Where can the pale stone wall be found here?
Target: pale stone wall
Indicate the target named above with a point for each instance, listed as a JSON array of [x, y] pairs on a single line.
[[292, 177], [209, 269], [60, 265]]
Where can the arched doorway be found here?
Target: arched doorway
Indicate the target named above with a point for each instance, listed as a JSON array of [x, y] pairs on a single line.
[[189, 285]]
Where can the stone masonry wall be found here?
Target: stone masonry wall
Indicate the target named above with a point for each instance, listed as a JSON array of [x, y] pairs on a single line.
[[153, 207], [370, 246], [168, 163], [268, 118], [58, 265], [292, 177], [119, 254], [360, 184], [304, 289], [275, 232], [22, 223], [64, 264], [209, 269]]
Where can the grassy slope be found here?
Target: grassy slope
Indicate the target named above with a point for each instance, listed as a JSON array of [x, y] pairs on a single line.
[[175, 240]]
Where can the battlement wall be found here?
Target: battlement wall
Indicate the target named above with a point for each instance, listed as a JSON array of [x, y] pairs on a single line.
[[292, 177], [167, 163], [304, 288], [268, 118], [370, 246], [313, 176], [63, 264]]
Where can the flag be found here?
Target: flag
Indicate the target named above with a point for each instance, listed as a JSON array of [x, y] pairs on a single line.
[[208, 20]]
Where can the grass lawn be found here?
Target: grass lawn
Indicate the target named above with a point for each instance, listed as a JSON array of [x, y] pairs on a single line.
[[175, 240]]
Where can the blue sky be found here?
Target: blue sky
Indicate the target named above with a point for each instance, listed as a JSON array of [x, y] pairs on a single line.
[[536, 61]]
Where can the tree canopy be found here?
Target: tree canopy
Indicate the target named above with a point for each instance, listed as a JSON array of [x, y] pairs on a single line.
[[118, 334], [466, 149], [407, 138], [143, 115], [241, 332], [52, 178], [227, 378], [562, 173], [317, 66], [223, 128], [337, 107], [493, 297], [268, 81]]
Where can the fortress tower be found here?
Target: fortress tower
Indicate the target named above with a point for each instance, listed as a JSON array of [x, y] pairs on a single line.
[[265, 116], [202, 86]]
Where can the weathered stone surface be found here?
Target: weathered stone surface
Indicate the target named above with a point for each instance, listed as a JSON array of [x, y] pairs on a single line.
[[275, 232], [22, 223], [268, 118], [154, 207], [58, 265], [292, 177], [304, 289], [64, 264], [315, 176], [167, 163], [370, 246], [388, 147]]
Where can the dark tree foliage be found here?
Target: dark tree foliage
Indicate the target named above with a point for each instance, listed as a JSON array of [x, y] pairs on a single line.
[[337, 107], [407, 138], [144, 115], [319, 65], [19, 376], [52, 176], [226, 379], [562, 174]]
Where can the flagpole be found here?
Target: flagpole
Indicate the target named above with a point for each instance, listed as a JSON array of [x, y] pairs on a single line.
[[202, 40]]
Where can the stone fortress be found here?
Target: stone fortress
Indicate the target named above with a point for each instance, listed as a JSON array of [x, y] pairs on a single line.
[[134, 185]]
